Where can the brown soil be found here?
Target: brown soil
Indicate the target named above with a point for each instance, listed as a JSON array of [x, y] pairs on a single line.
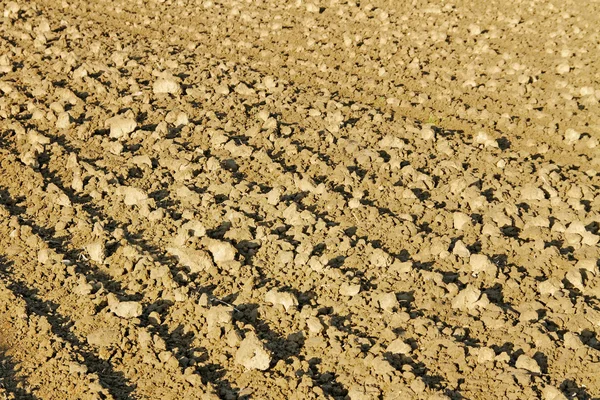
[[299, 200]]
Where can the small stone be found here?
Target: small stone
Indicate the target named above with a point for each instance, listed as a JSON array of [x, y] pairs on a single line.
[[274, 196], [466, 298], [571, 136], [589, 239], [358, 393], [222, 90], [219, 316], [286, 299], [354, 203], [63, 121], [43, 256], [165, 85], [484, 139], [572, 341], [398, 346], [552, 393], [392, 142], [124, 309], [222, 252], [461, 220], [474, 30], [531, 192], [427, 133], [96, 251], [132, 196], [314, 325], [311, 8], [589, 265], [575, 278], [563, 68], [577, 227], [196, 260], [244, 90], [528, 316], [481, 263], [460, 249], [194, 227], [380, 258], [315, 264], [387, 301], [549, 287], [120, 126], [485, 355], [252, 354], [528, 363], [115, 148], [349, 290], [418, 386], [77, 183], [76, 368], [83, 288], [181, 120], [203, 300]]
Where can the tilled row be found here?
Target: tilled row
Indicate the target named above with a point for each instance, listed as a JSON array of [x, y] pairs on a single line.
[[83, 298]]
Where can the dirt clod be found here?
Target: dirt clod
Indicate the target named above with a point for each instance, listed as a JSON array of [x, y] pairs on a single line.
[[304, 200]]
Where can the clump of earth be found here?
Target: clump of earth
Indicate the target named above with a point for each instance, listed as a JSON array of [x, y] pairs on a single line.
[[299, 200]]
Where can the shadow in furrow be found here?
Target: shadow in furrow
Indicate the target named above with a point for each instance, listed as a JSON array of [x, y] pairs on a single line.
[[10, 383]]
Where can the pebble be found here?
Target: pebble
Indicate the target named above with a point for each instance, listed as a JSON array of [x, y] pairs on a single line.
[[398, 346], [589, 265], [461, 220], [252, 354], [314, 325], [196, 260], [380, 258], [63, 121], [274, 196], [485, 354], [359, 393], [96, 251], [531, 192], [460, 249], [132, 196], [221, 251], [484, 139], [391, 142], [218, 316], [571, 136], [552, 393], [427, 134], [120, 126], [286, 299], [481, 263], [528, 363], [349, 290], [124, 309], [387, 301], [166, 85], [563, 68], [575, 278], [572, 341], [549, 287], [467, 298]]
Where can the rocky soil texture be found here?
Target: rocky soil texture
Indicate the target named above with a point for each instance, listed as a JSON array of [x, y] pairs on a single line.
[[299, 199]]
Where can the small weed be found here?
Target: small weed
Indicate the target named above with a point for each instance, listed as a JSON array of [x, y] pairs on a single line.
[[434, 120]]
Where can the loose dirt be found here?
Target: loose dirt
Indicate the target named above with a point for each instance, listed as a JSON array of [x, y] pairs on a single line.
[[299, 200]]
